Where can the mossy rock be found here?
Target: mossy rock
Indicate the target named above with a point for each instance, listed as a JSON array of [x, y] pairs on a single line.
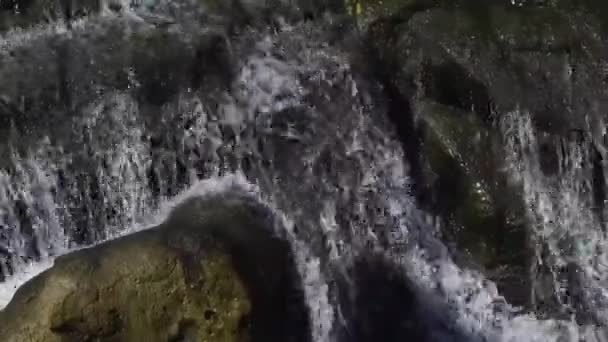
[[367, 11], [476, 61], [482, 216], [197, 277], [132, 289]]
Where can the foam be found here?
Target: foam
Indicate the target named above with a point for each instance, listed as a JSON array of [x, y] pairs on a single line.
[[27, 272]]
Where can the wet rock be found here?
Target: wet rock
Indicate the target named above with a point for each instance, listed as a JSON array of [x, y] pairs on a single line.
[[201, 275], [383, 318], [398, 310], [498, 58], [465, 185], [456, 67], [368, 11], [153, 64]]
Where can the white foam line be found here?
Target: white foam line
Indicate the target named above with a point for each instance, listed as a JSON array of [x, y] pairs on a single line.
[[18, 37], [27, 272]]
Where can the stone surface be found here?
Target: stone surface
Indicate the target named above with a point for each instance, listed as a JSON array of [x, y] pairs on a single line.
[[498, 57], [483, 217], [198, 277], [454, 68]]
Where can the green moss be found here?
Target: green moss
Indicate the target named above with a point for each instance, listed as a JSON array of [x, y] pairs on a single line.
[[449, 144], [368, 11], [461, 134], [134, 289], [375, 8], [459, 148]]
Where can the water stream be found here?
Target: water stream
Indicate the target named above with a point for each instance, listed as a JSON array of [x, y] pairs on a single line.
[[297, 128]]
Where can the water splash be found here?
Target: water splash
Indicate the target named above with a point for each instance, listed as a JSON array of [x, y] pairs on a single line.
[[299, 133], [561, 209]]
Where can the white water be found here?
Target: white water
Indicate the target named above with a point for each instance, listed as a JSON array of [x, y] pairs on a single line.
[[26, 272], [474, 302]]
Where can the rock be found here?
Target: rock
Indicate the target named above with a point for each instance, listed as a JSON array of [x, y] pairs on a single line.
[[233, 14], [497, 58], [465, 186], [383, 318], [457, 67], [200, 276], [368, 11], [417, 315], [131, 289], [497, 61], [153, 64]]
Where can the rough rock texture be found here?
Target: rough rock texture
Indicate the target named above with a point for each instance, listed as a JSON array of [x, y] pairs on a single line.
[[452, 70], [498, 57], [467, 186], [197, 277], [133, 289]]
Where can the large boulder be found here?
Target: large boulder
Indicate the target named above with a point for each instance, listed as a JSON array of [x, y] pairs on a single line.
[[453, 70], [213, 271]]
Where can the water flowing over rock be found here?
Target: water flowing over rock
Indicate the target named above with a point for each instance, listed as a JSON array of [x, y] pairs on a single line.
[[436, 166], [198, 276], [523, 87]]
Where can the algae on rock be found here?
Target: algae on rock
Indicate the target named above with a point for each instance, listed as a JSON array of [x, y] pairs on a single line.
[[133, 289], [200, 276], [467, 191]]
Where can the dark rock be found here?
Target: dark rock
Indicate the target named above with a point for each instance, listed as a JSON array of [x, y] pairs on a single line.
[[482, 215], [499, 58], [476, 62], [380, 302]]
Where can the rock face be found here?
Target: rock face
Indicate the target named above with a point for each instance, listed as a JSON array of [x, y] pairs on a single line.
[[455, 70], [135, 288], [185, 280]]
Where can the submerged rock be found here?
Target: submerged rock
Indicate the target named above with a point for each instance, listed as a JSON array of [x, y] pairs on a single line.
[[211, 272]]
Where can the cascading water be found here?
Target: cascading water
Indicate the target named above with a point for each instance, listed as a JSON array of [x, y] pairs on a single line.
[[299, 129], [569, 234]]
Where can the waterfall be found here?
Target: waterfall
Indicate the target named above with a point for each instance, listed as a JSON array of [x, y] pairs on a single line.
[[300, 130]]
